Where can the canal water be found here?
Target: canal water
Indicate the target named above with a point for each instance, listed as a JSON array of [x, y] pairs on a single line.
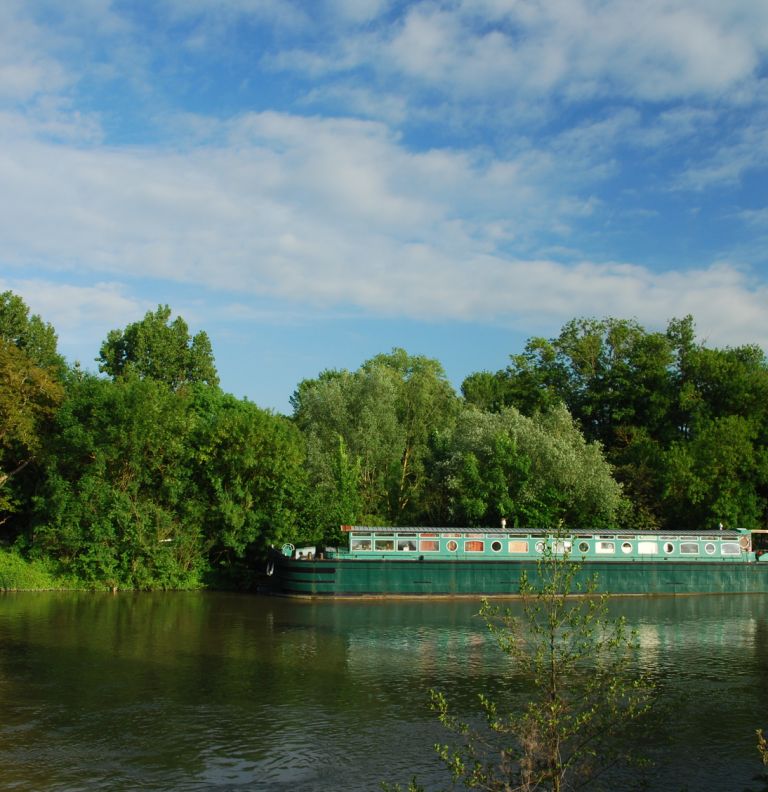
[[208, 691]]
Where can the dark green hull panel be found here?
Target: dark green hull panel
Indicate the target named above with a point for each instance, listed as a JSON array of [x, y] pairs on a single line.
[[405, 578]]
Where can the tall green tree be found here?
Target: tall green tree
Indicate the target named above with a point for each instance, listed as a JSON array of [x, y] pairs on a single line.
[[248, 468], [374, 425], [29, 333], [533, 471], [659, 403], [31, 371], [159, 349], [29, 397], [117, 508]]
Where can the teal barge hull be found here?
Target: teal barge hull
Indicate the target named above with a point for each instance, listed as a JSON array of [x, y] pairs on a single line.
[[411, 562], [411, 578]]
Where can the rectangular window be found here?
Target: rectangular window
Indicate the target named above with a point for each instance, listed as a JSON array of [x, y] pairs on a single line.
[[385, 544], [647, 548], [429, 545], [474, 546], [407, 545], [361, 544], [474, 536], [605, 547], [518, 546], [730, 548], [561, 547], [689, 548], [427, 535]]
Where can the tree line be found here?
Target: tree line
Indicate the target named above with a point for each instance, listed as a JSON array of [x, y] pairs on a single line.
[[148, 475]]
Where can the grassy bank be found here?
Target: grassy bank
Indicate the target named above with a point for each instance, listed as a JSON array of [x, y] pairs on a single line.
[[20, 574]]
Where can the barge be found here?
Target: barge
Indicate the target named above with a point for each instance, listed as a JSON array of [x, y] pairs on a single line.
[[451, 562]]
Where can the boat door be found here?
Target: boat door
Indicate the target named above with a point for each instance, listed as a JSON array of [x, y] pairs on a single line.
[[760, 544]]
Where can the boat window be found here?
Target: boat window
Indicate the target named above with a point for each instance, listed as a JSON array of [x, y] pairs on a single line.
[[689, 548], [561, 547], [669, 547], [730, 548], [495, 546], [709, 548], [626, 547], [605, 547], [518, 546], [539, 547], [429, 545], [452, 545], [474, 536], [406, 534], [408, 545], [385, 544], [583, 547], [647, 548], [427, 535], [474, 546], [454, 535], [361, 544]]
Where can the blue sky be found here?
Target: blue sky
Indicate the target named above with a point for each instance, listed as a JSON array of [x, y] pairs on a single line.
[[316, 182]]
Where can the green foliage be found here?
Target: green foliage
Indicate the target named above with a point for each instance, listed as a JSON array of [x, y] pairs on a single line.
[[683, 426], [158, 349], [248, 475], [30, 334], [115, 501], [29, 396], [21, 574], [762, 749], [586, 698], [534, 471], [374, 426]]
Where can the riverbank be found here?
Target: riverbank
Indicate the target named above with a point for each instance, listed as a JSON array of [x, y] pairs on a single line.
[[18, 573], [22, 574]]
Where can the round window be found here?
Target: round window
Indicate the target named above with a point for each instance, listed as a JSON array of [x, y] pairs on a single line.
[[539, 547], [452, 546], [709, 548], [668, 547], [626, 547], [495, 546], [583, 547]]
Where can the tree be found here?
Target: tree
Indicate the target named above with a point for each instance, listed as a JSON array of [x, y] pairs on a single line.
[[374, 425], [29, 397], [116, 506], [156, 348], [534, 471], [35, 338], [586, 697], [248, 475]]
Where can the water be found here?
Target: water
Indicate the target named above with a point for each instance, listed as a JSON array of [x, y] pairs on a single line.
[[234, 692]]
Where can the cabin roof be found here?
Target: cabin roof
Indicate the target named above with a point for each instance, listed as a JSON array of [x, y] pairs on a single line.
[[496, 531]]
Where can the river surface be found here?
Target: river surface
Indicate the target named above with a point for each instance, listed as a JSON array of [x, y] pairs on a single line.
[[199, 691]]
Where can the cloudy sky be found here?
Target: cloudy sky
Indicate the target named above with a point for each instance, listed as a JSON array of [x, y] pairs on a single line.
[[313, 182]]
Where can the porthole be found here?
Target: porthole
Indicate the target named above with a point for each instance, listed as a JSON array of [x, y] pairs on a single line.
[[539, 547], [583, 547], [496, 546], [668, 547], [452, 546], [709, 548], [626, 547]]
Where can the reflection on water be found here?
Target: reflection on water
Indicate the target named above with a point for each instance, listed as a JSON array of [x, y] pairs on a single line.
[[216, 691]]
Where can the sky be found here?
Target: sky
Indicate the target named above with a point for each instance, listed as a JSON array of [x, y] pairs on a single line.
[[316, 182]]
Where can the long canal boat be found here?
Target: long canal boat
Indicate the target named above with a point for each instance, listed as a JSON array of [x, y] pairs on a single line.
[[405, 562]]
